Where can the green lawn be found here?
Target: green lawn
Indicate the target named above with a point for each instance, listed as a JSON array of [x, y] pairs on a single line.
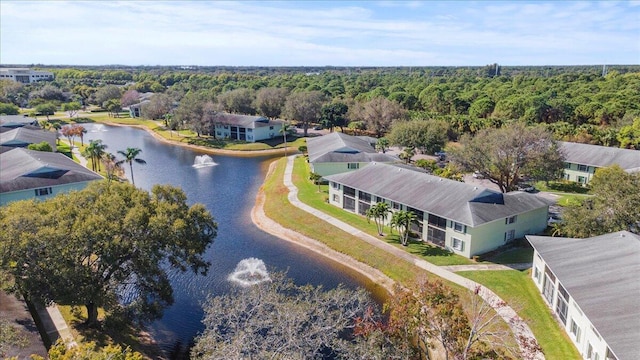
[[518, 290], [111, 332], [317, 197], [568, 193], [513, 256]]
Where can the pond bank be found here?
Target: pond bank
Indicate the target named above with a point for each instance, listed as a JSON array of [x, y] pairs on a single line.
[[205, 149]]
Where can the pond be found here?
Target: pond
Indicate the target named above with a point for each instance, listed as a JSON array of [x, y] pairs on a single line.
[[228, 188]]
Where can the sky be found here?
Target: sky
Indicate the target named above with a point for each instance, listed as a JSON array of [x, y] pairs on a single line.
[[320, 33]]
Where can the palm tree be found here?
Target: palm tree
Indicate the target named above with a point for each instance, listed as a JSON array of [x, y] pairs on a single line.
[[94, 151], [379, 213], [131, 155], [402, 220], [315, 177], [284, 130], [56, 127], [407, 154]]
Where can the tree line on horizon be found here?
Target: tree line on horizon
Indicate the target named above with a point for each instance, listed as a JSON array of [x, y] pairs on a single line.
[[575, 103]]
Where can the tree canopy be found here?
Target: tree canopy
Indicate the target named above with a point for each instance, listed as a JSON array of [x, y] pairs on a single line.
[[109, 246], [428, 136], [278, 319], [614, 206], [504, 155]]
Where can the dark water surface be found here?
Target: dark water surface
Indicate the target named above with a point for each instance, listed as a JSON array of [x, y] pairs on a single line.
[[228, 190]]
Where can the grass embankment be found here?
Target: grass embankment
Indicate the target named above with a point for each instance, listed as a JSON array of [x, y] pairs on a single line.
[[568, 192], [178, 136], [310, 195], [110, 333], [517, 289], [278, 208], [190, 137]]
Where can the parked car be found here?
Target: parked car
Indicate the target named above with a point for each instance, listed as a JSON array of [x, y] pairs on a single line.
[[527, 188], [554, 219]]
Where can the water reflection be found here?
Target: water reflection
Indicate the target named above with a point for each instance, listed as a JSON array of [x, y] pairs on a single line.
[[228, 190]]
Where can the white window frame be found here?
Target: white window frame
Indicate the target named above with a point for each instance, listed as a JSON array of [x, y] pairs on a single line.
[[44, 191], [353, 166], [509, 235], [462, 227], [459, 246], [511, 219], [575, 330]]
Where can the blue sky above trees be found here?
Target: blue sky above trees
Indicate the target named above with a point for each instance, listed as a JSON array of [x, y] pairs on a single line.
[[288, 33]]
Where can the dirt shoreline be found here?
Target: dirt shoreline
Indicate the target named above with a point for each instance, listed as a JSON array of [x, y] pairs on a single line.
[[208, 150]]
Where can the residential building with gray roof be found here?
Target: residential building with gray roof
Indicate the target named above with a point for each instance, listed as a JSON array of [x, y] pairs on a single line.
[[338, 152], [582, 160], [463, 218], [27, 174], [23, 137], [592, 286], [247, 128]]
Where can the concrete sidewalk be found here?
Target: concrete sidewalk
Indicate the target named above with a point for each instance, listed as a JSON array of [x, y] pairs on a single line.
[[481, 267], [54, 325], [520, 329]]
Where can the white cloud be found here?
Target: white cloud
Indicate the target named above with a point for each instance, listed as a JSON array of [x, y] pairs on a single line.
[[265, 33]]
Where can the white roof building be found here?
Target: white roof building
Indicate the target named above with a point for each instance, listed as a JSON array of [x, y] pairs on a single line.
[[24, 75]]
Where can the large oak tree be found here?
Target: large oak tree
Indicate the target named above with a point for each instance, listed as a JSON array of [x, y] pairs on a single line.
[[108, 246], [503, 155], [305, 107]]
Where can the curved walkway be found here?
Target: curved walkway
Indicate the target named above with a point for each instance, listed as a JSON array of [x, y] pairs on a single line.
[[522, 333]]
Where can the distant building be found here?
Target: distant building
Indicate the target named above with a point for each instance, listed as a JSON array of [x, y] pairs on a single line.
[[24, 75], [27, 174], [135, 110], [582, 160], [592, 286], [465, 219], [246, 127], [337, 152]]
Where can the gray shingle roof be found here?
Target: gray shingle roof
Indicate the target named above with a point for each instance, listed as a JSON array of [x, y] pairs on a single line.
[[22, 169], [602, 274], [246, 121], [600, 156], [464, 203], [16, 121], [339, 147], [21, 136]]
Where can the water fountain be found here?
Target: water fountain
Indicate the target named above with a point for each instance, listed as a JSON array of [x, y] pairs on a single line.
[[203, 161], [249, 272], [98, 128]]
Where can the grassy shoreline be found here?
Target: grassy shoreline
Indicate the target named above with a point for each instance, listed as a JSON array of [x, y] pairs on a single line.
[[521, 291]]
